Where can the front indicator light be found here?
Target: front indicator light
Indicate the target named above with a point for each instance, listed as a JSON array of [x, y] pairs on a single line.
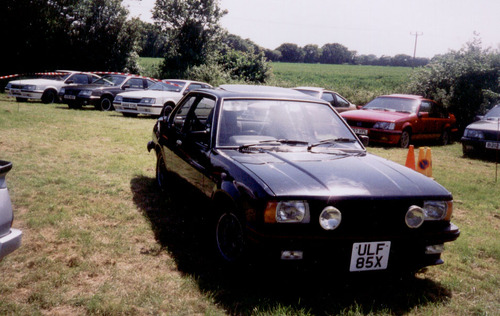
[[292, 255], [414, 217], [330, 218], [434, 249]]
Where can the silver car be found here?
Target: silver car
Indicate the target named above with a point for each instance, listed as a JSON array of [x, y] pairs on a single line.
[[10, 238]]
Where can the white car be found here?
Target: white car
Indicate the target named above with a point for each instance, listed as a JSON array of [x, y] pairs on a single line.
[[47, 88], [340, 103], [152, 100]]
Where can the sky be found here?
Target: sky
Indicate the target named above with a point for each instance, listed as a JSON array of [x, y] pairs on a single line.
[[380, 27]]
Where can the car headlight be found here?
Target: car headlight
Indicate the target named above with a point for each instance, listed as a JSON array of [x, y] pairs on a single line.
[[330, 218], [7, 87], [414, 217], [472, 133], [29, 87], [438, 210], [118, 99], [384, 125], [85, 93], [293, 211], [148, 100]]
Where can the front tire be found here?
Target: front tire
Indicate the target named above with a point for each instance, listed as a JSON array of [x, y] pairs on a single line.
[[404, 141], [106, 104], [49, 97], [230, 237], [445, 138]]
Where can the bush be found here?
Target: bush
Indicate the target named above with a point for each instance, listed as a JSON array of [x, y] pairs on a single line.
[[466, 81]]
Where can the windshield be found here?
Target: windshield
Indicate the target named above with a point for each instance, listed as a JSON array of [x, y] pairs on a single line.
[[110, 80], [251, 122], [493, 113], [161, 86], [393, 104], [179, 84]]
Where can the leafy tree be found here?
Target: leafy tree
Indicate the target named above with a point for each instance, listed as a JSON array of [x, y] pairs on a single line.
[[291, 53], [193, 29], [272, 55], [312, 53], [465, 81], [152, 41], [336, 54]]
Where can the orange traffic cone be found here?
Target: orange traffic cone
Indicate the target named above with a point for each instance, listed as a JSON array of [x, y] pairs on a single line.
[[428, 157], [424, 161], [410, 158]]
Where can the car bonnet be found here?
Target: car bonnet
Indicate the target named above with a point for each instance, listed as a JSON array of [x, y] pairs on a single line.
[[342, 176]]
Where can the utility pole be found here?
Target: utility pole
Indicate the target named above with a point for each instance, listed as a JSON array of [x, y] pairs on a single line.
[[417, 34]]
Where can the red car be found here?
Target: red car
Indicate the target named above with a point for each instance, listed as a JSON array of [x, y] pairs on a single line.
[[398, 119]]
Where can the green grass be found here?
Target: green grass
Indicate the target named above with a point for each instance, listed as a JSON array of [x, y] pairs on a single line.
[[100, 238]]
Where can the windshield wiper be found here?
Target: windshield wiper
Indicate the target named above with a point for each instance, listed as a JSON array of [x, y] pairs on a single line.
[[277, 141], [332, 140]]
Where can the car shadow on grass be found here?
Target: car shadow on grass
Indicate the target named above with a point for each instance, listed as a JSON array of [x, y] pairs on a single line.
[[180, 223]]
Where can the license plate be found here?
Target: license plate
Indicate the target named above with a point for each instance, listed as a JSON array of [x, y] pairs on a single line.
[[129, 106], [492, 145], [15, 92], [70, 97], [360, 131], [368, 256]]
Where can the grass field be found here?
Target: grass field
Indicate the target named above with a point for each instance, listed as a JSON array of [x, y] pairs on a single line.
[[100, 239]]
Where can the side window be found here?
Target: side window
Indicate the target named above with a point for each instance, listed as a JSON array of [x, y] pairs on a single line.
[[181, 115], [80, 79], [425, 107], [341, 102], [193, 86], [149, 83], [202, 118], [135, 83], [328, 97]]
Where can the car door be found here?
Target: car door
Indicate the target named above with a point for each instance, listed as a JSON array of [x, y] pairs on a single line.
[[190, 135], [425, 125]]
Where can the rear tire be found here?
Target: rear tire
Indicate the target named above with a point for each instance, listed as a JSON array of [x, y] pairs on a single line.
[[445, 138], [161, 171]]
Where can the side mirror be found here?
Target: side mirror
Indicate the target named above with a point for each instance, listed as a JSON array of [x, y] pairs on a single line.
[[364, 139], [166, 110], [125, 87], [478, 118]]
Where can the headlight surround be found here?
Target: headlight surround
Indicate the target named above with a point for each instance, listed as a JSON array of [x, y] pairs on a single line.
[[148, 100], [118, 99], [292, 212], [85, 93], [431, 211], [472, 133], [330, 218], [384, 125]]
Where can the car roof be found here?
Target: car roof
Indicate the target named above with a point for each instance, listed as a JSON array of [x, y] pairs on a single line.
[[256, 91], [406, 96], [310, 88]]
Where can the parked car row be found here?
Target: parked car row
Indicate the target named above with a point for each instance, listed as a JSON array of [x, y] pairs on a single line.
[[395, 119]]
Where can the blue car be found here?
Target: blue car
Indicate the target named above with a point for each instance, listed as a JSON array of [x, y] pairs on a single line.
[[286, 179]]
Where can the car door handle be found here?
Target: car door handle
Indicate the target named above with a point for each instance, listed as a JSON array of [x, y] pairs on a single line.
[[178, 142]]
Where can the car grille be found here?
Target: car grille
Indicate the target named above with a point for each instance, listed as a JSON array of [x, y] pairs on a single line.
[[16, 86], [71, 92], [360, 124], [491, 135], [131, 100]]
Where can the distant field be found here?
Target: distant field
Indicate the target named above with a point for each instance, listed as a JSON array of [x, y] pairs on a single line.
[[357, 83]]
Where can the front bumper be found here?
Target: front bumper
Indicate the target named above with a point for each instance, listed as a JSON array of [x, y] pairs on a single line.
[[23, 94], [407, 252], [10, 242], [380, 136], [479, 146], [138, 108]]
